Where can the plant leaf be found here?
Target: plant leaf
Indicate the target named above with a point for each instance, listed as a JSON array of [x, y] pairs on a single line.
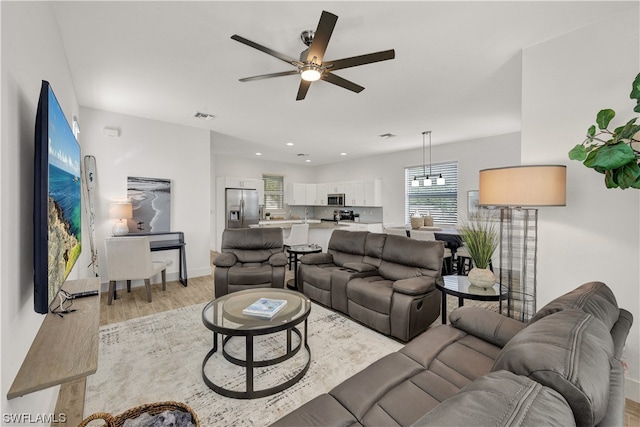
[[604, 118], [609, 181], [627, 175], [592, 131], [579, 152], [610, 156], [635, 88]]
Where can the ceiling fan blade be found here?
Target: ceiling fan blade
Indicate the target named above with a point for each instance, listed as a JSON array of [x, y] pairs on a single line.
[[339, 81], [321, 38], [302, 90], [360, 60], [266, 50], [268, 76]]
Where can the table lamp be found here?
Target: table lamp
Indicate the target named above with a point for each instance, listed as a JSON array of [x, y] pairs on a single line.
[[120, 211], [518, 191]]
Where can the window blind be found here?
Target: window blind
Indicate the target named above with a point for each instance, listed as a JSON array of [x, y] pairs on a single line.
[[273, 192], [439, 201]]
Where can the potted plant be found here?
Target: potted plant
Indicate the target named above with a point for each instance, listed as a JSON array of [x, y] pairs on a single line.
[[481, 236], [613, 153], [268, 215], [356, 217]]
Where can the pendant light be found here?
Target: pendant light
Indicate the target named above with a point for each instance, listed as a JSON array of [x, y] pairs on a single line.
[[426, 177]]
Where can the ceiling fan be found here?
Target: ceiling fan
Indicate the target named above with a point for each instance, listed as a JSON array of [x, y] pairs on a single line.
[[311, 65]]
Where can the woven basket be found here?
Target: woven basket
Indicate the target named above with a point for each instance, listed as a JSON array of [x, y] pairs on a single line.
[[150, 408], [416, 222]]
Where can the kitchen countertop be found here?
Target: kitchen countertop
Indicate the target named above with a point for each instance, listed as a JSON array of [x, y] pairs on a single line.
[[314, 224]]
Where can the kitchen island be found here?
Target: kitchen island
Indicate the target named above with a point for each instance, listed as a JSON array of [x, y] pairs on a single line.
[[319, 231]]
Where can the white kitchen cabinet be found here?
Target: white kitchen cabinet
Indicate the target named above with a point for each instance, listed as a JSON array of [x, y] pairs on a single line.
[[322, 190], [297, 194], [354, 193], [373, 192], [249, 183], [335, 187], [311, 197]]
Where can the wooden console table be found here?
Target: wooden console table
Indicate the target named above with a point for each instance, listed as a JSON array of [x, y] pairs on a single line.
[[175, 241], [64, 349]]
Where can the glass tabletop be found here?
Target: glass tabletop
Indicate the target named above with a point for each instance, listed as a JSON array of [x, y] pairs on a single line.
[[225, 315], [459, 285], [300, 249]]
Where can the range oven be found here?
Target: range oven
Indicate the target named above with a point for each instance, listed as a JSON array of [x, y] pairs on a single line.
[[335, 199]]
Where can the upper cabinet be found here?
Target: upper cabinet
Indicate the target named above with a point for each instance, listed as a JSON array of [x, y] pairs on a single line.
[[248, 183], [356, 193], [363, 193]]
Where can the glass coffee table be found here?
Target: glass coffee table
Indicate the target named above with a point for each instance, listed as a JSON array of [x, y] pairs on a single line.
[[460, 287], [224, 317]]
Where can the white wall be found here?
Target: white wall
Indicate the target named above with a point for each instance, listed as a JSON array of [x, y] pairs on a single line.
[[472, 156], [566, 81], [31, 51], [153, 149]]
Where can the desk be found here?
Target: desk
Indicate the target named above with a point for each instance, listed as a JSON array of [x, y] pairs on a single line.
[[459, 286], [175, 241]]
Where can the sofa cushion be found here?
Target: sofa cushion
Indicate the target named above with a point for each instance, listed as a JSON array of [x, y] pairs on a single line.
[[501, 399], [324, 410], [347, 246], [569, 351], [373, 246], [485, 324], [250, 275], [372, 292], [318, 276], [593, 297], [403, 258]]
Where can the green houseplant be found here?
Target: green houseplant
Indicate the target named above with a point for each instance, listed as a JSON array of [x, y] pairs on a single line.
[[613, 153], [480, 236]]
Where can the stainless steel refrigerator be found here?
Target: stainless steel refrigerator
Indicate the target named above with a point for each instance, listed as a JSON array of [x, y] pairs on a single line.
[[243, 207]]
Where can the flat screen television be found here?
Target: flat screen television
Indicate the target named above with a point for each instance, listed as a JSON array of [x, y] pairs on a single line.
[[57, 200]]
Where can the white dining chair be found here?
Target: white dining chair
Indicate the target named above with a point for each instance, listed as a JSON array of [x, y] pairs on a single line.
[[129, 258], [299, 235]]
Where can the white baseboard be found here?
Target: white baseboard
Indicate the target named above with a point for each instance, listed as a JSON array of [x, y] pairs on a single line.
[[632, 389]]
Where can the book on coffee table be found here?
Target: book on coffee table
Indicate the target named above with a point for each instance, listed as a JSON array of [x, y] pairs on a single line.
[[265, 307]]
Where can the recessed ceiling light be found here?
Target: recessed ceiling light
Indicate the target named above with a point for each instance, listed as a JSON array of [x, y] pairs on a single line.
[[343, 154], [258, 154], [308, 160], [203, 116], [290, 144], [386, 135]]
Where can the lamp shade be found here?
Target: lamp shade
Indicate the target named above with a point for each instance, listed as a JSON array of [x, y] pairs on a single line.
[[123, 210], [522, 186]]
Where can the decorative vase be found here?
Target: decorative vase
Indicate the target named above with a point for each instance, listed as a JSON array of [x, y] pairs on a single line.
[[482, 277], [416, 222], [428, 221]]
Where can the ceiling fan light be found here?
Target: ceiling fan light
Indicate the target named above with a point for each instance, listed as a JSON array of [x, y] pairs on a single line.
[[310, 73]]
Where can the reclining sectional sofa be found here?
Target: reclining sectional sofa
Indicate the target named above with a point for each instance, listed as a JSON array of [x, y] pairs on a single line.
[[561, 369], [386, 282]]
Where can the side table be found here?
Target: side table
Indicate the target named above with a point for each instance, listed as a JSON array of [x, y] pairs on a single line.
[[460, 287], [296, 252]]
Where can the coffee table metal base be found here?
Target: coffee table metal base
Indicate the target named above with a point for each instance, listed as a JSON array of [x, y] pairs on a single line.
[[249, 364]]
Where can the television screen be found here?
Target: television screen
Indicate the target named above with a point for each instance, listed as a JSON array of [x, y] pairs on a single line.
[[57, 200]]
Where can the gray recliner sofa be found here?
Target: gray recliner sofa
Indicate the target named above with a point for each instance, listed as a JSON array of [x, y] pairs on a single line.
[[250, 258], [563, 368], [384, 281]]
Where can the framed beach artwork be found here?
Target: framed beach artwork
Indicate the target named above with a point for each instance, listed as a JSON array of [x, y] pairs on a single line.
[[151, 202]]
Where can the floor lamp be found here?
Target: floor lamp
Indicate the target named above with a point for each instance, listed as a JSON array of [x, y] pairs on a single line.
[[518, 191]]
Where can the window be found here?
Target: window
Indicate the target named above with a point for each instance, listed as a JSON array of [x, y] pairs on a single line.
[[439, 201], [273, 192]]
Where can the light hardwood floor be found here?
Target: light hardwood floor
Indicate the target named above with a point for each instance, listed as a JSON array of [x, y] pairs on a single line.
[[200, 289]]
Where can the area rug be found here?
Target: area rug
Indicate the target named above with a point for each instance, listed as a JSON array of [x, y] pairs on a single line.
[[159, 357]]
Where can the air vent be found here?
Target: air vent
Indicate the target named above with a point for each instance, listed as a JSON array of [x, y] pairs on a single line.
[[386, 135], [203, 116]]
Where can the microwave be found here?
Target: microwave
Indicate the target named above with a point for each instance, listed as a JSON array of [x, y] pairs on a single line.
[[335, 199]]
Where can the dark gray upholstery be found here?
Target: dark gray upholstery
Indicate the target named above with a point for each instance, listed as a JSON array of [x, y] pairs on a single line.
[[250, 258], [384, 281], [488, 370]]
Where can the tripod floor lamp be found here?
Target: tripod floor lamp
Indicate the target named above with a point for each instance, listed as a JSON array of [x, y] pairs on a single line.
[[518, 191]]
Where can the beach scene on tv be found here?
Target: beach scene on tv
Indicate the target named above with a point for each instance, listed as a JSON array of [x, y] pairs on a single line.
[[64, 199], [151, 202]]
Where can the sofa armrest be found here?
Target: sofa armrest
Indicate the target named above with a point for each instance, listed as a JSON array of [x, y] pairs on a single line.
[[486, 325], [225, 260], [278, 259], [319, 258], [415, 285], [360, 267]]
